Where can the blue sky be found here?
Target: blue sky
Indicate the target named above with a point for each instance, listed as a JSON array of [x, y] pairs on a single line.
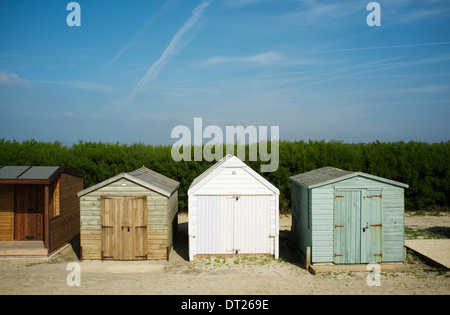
[[134, 70]]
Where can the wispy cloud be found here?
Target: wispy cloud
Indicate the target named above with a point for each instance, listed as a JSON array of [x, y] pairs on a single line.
[[84, 85], [380, 47], [263, 58], [238, 3], [13, 80], [168, 53], [160, 12]]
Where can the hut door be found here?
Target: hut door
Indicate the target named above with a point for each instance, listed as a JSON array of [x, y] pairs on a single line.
[[124, 228], [233, 225], [29, 212], [251, 224], [371, 227], [357, 226], [6, 212]]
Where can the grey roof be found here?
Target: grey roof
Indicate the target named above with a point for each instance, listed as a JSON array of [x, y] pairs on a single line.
[[30, 172], [163, 182], [144, 177], [327, 175]]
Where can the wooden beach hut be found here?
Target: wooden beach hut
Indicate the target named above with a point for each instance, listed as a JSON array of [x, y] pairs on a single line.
[[39, 209], [232, 210], [131, 216], [348, 217]]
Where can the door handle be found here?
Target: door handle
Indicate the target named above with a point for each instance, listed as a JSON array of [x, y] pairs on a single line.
[[365, 227]]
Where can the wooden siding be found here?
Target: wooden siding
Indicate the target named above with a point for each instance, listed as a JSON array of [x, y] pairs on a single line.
[[65, 226], [6, 212], [301, 231], [319, 204], [194, 221], [160, 215], [233, 180]]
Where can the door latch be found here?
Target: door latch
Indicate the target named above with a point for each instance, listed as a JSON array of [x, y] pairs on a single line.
[[365, 227], [127, 227]]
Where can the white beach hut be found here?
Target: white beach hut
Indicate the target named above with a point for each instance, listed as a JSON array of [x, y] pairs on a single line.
[[232, 210]]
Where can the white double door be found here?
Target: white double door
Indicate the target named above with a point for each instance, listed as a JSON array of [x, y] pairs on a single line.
[[233, 225]]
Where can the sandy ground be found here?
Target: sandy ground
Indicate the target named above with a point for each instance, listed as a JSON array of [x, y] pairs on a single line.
[[239, 275]]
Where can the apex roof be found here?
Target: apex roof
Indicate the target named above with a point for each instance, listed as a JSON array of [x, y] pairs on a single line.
[[227, 161], [144, 177], [327, 175]]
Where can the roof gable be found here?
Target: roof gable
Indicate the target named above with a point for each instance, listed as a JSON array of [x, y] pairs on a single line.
[[144, 177], [328, 175], [228, 161]]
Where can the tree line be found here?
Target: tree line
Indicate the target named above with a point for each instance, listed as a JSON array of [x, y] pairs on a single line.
[[423, 166]]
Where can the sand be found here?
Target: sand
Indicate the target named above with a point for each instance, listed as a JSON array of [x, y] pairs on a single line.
[[224, 276]]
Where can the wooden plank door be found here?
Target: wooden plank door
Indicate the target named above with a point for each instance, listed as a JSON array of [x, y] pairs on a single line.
[[124, 228], [110, 208], [347, 227], [6, 212], [29, 212], [371, 227], [251, 224], [357, 226]]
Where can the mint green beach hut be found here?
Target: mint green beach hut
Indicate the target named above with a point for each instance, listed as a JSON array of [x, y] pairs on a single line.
[[348, 217]]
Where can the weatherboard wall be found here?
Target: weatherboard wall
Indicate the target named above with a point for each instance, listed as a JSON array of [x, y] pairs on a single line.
[[232, 209], [313, 218], [161, 212]]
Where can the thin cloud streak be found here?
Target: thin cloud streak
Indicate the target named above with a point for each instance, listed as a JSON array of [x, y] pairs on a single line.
[[161, 11], [379, 47], [168, 53]]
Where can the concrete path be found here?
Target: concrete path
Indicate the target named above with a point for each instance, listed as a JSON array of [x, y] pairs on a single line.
[[436, 250]]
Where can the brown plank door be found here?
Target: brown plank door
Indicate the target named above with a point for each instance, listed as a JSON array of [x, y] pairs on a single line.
[[124, 228], [6, 212], [29, 212]]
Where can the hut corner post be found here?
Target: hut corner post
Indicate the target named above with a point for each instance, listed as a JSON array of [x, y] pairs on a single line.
[[308, 257]]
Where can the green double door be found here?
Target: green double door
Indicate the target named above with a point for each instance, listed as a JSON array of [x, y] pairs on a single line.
[[357, 226]]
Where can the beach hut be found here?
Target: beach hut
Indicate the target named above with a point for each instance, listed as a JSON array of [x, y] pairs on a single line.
[[39, 209], [348, 217], [232, 210], [131, 216]]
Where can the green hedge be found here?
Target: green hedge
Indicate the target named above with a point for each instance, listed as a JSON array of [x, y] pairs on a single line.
[[424, 167]]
